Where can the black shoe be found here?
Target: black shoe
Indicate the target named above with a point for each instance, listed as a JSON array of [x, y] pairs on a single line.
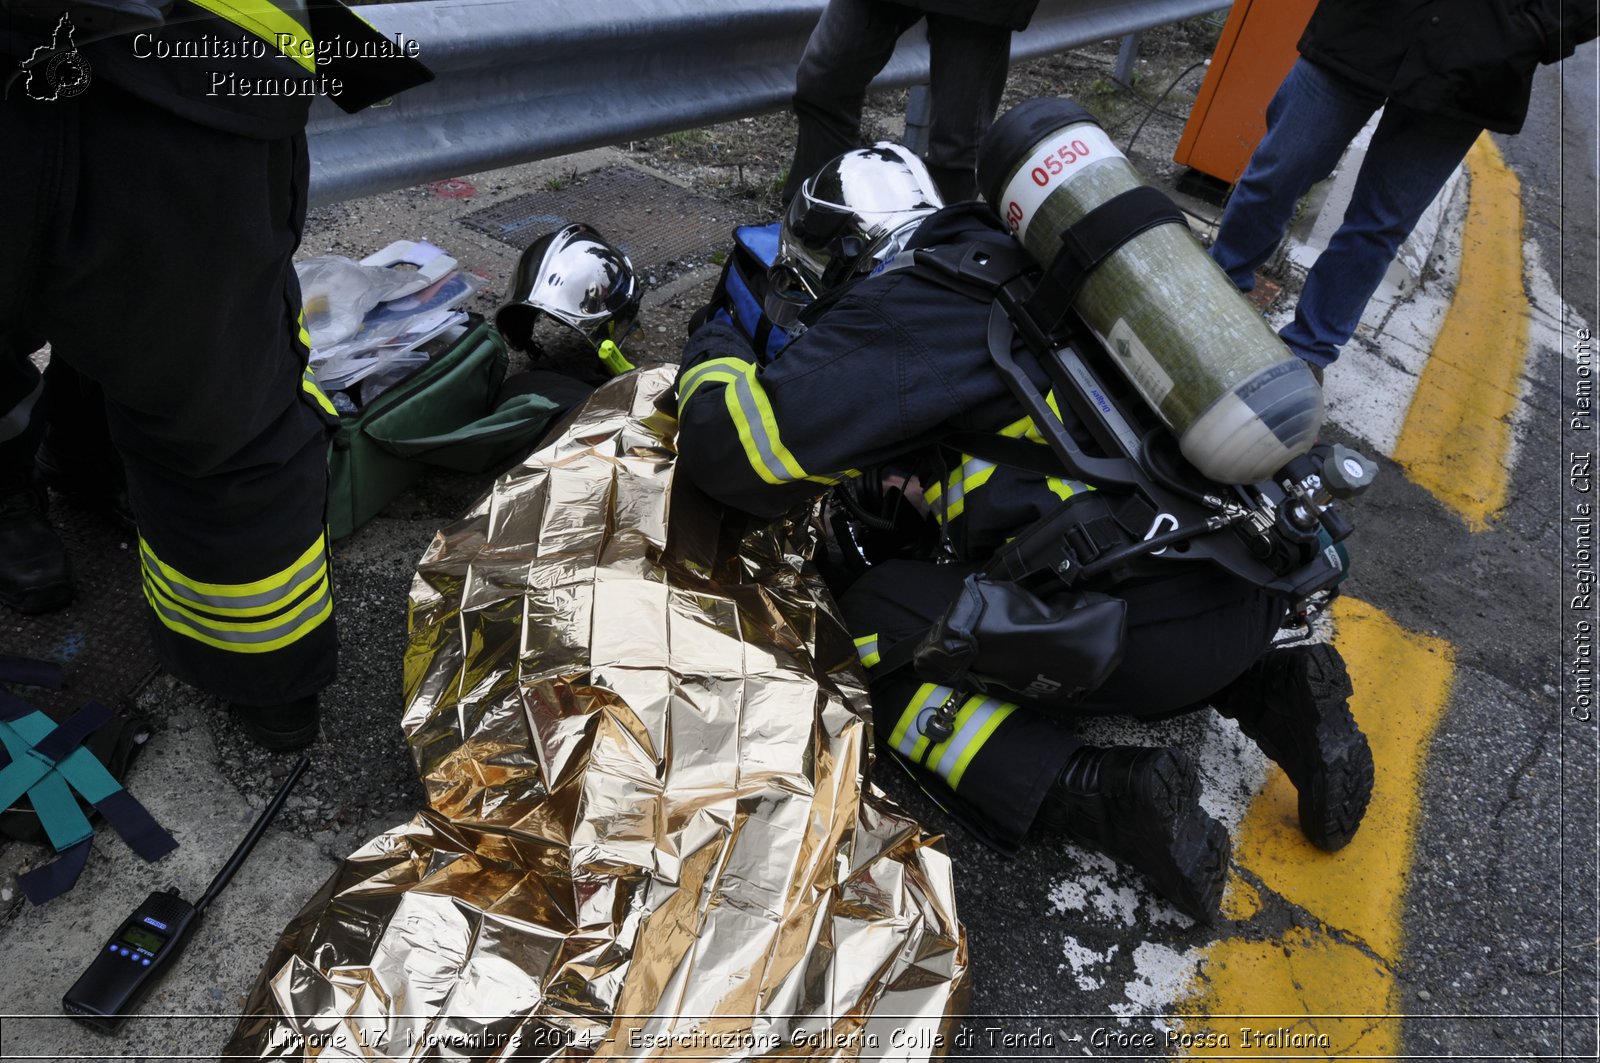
[[1142, 807], [33, 563], [283, 727], [101, 489], [1294, 703]]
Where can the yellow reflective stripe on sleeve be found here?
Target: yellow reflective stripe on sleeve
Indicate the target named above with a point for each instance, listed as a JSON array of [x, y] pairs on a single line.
[[308, 384], [867, 648], [758, 431], [1065, 489], [757, 426], [1018, 428], [955, 743], [976, 721], [972, 474], [305, 333], [269, 22], [723, 370]]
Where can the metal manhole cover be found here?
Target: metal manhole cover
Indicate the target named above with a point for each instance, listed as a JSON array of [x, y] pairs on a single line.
[[102, 639], [665, 230]]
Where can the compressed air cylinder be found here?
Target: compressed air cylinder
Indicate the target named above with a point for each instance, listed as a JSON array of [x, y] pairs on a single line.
[[1241, 404]]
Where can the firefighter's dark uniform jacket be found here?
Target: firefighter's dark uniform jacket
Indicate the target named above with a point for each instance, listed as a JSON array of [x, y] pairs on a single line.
[[149, 223], [1471, 60], [896, 365]]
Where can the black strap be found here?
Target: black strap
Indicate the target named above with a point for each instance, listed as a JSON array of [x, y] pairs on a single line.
[[58, 876], [899, 655], [974, 269], [1088, 241], [70, 734], [1005, 450], [30, 672], [136, 826]]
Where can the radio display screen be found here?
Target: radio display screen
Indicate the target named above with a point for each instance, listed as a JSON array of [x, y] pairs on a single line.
[[138, 937]]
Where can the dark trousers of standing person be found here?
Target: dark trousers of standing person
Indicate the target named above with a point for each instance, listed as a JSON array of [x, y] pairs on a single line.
[[852, 43], [1188, 637], [153, 254], [1311, 120]]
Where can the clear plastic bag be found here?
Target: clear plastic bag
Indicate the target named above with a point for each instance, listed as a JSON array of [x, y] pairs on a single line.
[[336, 293]]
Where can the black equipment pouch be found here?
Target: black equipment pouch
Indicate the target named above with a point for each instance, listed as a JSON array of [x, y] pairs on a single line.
[[1001, 635]]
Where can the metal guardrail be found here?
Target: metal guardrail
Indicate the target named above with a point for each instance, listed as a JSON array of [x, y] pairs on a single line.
[[519, 80]]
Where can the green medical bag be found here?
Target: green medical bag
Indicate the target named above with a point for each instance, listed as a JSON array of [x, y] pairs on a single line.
[[445, 415]]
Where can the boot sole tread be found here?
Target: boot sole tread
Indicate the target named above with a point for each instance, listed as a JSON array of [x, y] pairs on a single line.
[[1172, 840], [1334, 804]]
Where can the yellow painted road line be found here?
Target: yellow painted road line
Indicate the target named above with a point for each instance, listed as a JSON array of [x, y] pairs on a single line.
[[1456, 439], [1299, 982]]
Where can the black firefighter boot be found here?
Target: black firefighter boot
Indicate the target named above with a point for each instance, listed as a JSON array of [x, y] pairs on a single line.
[[33, 562], [283, 727], [1141, 806], [1294, 703]]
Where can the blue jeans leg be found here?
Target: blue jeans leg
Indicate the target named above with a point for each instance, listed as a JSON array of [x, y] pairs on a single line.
[[1310, 121], [1410, 158]]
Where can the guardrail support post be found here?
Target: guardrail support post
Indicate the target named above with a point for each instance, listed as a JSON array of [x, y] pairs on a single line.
[[1123, 74]]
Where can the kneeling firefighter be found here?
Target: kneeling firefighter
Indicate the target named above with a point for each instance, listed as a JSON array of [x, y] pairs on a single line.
[[888, 389]]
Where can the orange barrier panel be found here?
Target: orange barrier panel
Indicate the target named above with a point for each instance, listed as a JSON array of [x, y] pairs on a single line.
[[1256, 50]]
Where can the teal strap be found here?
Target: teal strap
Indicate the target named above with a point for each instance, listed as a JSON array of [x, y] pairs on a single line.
[[85, 773], [48, 763], [28, 773]]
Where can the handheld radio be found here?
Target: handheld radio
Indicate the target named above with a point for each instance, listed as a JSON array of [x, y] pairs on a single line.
[[147, 943]]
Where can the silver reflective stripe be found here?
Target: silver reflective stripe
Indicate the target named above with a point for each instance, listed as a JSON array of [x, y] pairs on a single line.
[[928, 703], [758, 430], [221, 632], [705, 372], [264, 602], [958, 489], [16, 419], [969, 732]]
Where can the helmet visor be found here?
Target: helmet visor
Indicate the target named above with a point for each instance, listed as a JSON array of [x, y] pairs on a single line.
[[855, 212]]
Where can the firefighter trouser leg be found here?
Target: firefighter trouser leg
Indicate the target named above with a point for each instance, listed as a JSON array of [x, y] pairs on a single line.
[[996, 770], [154, 255], [1187, 638]]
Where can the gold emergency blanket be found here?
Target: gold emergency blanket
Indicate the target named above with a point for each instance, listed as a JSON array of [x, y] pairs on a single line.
[[650, 835]]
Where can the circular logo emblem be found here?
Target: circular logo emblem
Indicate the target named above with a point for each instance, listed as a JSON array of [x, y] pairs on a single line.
[[67, 75]]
